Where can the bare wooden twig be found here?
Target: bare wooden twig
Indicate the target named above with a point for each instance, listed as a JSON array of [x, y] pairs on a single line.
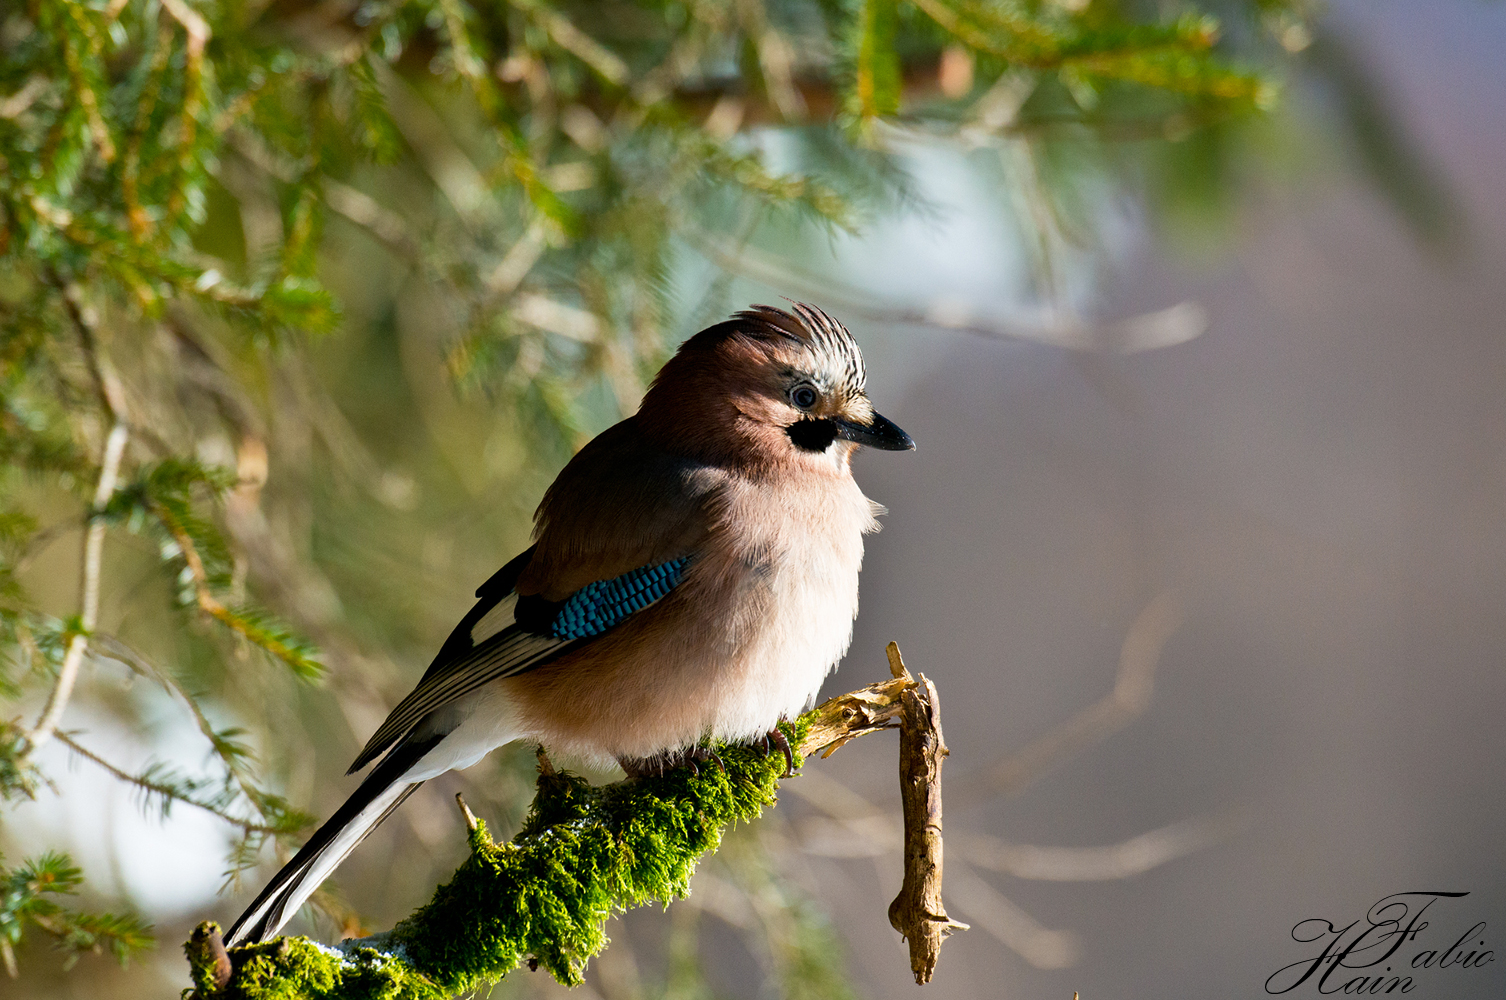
[[911, 705], [847, 716], [207, 941], [917, 912], [853, 826], [465, 812], [112, 397]]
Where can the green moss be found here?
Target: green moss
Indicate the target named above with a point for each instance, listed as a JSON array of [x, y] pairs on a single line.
[[583, 853]]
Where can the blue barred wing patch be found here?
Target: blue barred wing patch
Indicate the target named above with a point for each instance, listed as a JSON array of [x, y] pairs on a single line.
[[598, 606]]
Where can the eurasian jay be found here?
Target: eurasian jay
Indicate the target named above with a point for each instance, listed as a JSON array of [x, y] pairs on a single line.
[[694, 577]]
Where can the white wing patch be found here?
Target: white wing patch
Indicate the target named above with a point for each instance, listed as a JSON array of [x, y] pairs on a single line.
[[495, 620]]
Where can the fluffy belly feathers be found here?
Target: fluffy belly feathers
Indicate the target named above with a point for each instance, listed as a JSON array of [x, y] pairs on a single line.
[[762, 616]]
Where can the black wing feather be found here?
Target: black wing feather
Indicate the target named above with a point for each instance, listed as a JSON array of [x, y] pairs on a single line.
[[491, 593]]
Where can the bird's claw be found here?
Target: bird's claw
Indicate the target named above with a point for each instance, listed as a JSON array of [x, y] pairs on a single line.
[[661, 764], [702, 755], [775, 738]]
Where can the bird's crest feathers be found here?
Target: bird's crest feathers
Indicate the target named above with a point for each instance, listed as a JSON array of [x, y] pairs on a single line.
[[806, 327]]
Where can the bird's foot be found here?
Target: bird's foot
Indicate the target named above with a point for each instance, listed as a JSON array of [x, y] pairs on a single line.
[[775, 738], [700, 755], [644, 767], [661, 764]]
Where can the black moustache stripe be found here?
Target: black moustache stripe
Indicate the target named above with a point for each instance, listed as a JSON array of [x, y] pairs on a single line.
[[813, 435]]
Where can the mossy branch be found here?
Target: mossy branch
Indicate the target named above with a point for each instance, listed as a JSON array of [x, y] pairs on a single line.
[[543, 898]]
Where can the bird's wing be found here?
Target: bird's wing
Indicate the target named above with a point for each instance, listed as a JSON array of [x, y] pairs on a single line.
[[616, 533], [620, 503]]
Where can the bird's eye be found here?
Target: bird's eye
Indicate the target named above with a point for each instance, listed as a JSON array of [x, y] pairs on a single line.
[[803, 396]]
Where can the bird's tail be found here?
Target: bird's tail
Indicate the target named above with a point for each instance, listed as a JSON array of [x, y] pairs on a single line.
[[384, 789]]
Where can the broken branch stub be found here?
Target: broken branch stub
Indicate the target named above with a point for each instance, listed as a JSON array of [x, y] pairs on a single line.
[[917, 912], [841, 719]]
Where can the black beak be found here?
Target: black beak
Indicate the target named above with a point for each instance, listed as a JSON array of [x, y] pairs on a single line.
[[880, 432]]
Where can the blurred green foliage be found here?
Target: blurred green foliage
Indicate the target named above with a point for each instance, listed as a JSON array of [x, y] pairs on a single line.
[[28, 901], [346, 282]]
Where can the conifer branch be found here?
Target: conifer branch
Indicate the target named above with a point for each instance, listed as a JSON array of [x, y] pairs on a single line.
[[113, 399], [244, 624], [230, 754], [1162, 328], [163, 789], [28, 896], [198, 32], [273, 816]]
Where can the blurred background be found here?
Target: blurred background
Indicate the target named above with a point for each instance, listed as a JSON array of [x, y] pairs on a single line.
[[1204, 542]]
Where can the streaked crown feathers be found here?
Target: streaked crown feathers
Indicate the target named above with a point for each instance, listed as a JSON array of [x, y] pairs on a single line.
[[811, 329]]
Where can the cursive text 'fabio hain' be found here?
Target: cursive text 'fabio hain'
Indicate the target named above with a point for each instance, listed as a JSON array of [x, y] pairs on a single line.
[[1382, 952]]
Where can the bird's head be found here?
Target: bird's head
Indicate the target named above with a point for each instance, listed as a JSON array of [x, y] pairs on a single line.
[[770, 385]]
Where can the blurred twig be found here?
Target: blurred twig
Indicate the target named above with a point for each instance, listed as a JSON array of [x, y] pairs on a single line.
[[994, 914], [112, 398], [1139, 656], [366, 212], [853, 827], [1167, 327], [1127, 858]]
